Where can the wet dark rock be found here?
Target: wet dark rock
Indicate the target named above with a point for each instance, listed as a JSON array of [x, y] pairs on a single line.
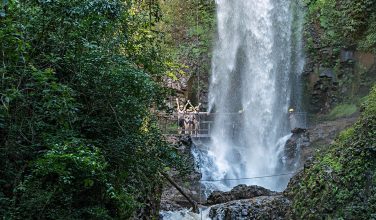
[[326, 72], [237, 193], [185, 140], [298, 130], [292, 151], [262, 207], [323, 94], [346, 55], [301, 146]]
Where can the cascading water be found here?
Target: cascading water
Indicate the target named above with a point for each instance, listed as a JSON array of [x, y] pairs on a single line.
[[256, 68]]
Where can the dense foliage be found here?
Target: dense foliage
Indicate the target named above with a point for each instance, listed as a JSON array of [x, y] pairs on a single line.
[[340, 183], [78, 80], [189, 27], [341, 24], [340, 40]]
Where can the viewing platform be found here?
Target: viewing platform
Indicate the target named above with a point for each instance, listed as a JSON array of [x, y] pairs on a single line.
[[169, 124]]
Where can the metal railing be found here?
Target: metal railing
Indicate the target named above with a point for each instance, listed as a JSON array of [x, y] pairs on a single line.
[[169, 124]]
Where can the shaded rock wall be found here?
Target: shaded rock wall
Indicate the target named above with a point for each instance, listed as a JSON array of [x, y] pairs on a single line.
[[340, 181], [302, 145], [349, 78]]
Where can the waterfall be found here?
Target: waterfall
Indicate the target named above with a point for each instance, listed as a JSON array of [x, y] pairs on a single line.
[[256, 71], [256, 68]]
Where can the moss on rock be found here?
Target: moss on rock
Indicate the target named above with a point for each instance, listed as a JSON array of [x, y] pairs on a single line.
[[340, 183]]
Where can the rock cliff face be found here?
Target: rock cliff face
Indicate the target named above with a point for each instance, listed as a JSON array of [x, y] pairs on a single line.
[[303, 144], [340, 181], [345, 80], [340, 49], [336, 73]]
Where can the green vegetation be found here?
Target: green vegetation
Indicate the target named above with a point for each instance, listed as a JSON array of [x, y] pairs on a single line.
[[189, 27], [340, 38], [78, 80], [341, 24], [342, 110], [340, 183]]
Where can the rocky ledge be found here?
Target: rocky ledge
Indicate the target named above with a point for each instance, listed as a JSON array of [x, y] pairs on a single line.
[[248, 202], [262, 207], [237, 193], [303, 143]]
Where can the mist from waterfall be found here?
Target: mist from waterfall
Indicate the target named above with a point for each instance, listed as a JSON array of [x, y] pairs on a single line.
[[256, 67]]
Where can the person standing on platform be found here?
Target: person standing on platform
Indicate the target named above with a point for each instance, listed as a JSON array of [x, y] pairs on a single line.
[[195, 121], [181, 110]]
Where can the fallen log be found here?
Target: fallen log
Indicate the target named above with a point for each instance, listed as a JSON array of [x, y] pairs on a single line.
[[190, 200]]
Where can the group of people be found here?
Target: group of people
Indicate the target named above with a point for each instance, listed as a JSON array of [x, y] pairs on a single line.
[[188, 118]]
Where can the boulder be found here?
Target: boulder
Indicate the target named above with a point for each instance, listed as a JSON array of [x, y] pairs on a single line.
[[292, 150], [326, 73], [263, 207], [238, 192]]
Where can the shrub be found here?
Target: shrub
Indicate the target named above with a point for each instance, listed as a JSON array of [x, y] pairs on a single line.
[[340, 183], [342, 110]]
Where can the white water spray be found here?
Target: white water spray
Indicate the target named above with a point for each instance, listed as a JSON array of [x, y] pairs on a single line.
[[256, 69], [256, 62]]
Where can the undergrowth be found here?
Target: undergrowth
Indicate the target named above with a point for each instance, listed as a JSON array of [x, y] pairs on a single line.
[[342, 110], [340, 183]]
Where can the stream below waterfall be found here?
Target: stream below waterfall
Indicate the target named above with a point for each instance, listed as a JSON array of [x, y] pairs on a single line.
[[256, 67]]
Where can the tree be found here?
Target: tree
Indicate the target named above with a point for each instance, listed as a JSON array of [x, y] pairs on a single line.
[[78, 140]]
